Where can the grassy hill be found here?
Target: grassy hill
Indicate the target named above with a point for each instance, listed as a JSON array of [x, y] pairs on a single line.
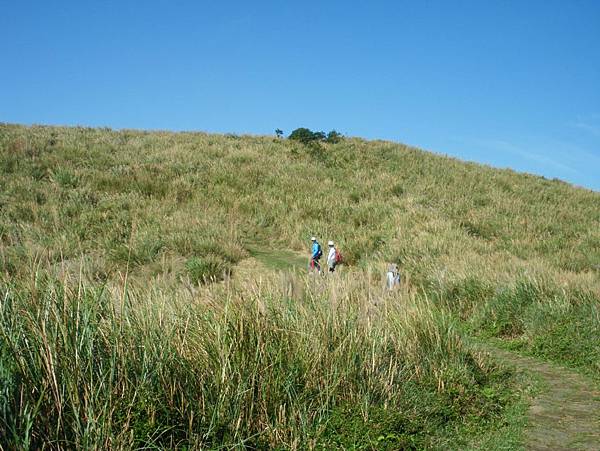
[[125, 320]]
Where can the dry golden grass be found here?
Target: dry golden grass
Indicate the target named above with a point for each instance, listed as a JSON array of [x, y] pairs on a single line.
[[134, 299]]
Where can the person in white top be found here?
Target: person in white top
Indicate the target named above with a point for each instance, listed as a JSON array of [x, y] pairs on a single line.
[[331, 257], [392, 277]]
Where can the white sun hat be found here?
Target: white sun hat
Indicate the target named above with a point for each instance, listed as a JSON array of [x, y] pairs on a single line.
[[314, 238], [330, 243]]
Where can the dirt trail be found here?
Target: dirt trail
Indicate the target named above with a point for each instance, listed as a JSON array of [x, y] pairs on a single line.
[[566, 414]]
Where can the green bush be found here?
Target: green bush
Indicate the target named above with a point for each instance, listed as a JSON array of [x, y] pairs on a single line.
[[333, 137], [306, 136]]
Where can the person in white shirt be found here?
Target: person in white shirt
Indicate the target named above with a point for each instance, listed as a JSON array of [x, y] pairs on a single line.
[[392, 277], [331, 257]]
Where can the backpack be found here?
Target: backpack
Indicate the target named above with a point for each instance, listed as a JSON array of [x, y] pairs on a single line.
[[338, 257], [319, 252]]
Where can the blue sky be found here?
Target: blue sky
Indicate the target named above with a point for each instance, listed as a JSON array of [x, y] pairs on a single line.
[[508, 83]]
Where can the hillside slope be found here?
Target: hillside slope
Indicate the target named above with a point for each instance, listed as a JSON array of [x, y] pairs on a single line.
[[368, 195], [152, 216]]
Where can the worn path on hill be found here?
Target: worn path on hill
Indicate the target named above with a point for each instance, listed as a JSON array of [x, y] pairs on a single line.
[[564, 415]]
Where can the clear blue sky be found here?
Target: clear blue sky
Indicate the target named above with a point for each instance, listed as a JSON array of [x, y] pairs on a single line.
[[509, 83]]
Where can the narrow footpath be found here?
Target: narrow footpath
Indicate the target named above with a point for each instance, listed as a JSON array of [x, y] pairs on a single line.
[[565, 415]]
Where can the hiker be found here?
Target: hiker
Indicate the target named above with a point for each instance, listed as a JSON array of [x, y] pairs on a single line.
[[332, 257], [315, 255], [392, 277]]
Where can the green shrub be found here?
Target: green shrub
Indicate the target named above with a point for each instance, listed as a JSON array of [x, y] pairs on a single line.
[[307, 136], [333, 137]]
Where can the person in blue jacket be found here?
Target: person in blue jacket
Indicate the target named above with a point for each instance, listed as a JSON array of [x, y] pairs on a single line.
[[315, 255]]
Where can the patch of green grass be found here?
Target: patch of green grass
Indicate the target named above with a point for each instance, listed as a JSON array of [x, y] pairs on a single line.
[[206, 269], [279, 260], [436, 420], [65, 178], [544, 321]]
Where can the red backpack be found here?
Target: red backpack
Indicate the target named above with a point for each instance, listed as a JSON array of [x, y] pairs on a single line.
[[338, 257]]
